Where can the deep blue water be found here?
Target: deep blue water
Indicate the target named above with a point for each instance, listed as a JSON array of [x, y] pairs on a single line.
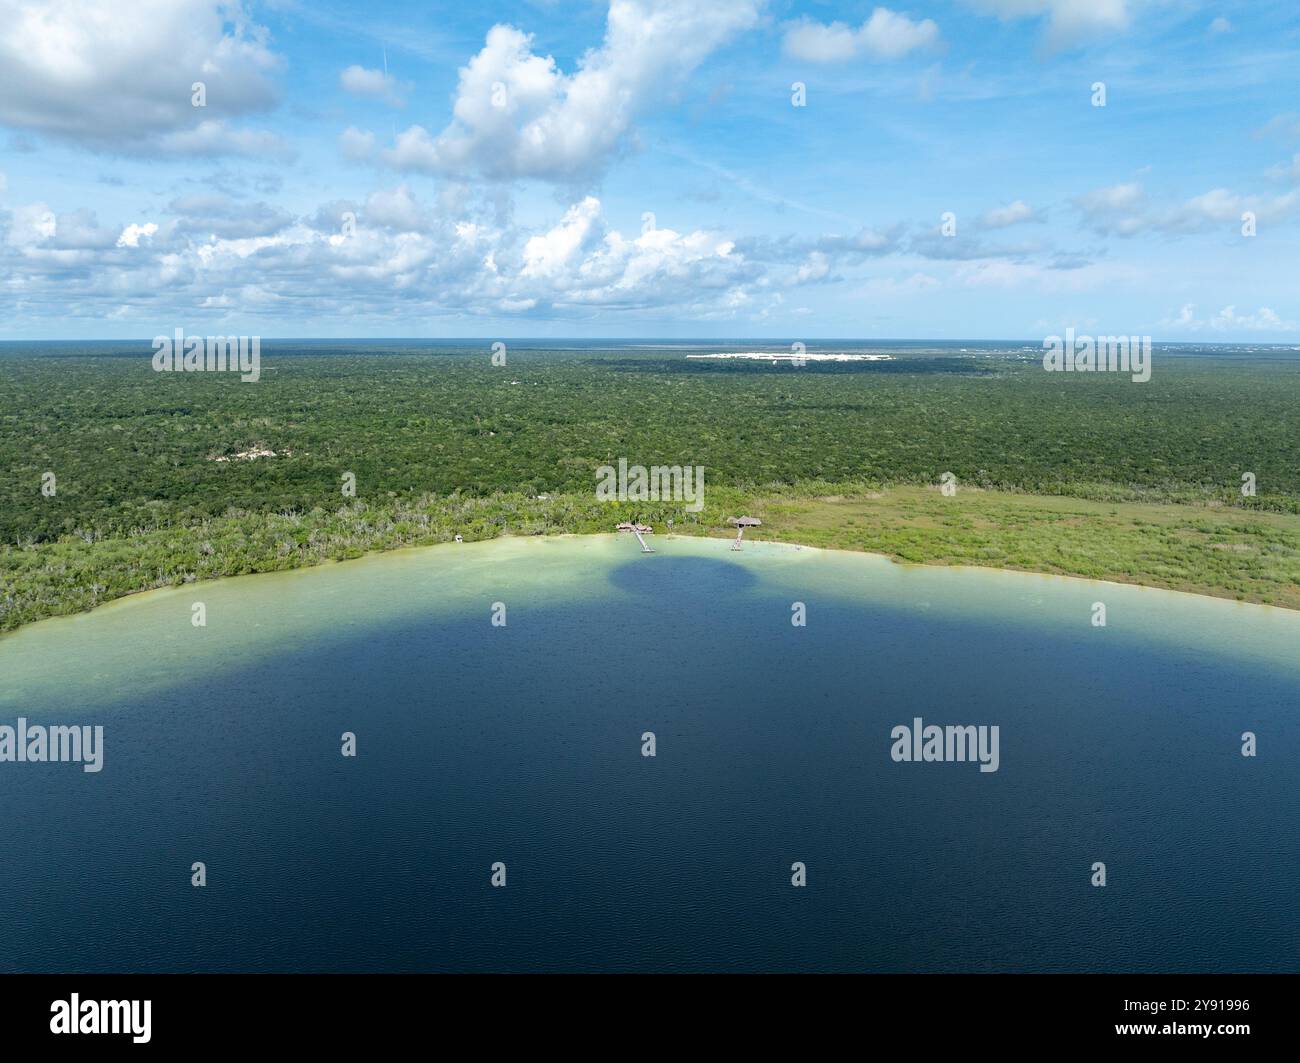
[[522, 744]]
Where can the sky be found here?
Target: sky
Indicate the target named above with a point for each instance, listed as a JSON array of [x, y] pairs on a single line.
[[650, 168]]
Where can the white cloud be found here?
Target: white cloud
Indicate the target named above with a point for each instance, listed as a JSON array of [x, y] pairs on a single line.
[[404, 256], [376, 84], [1011, 214], [414, 149], [549, 254], [356, 144], [214, 137], [397, 209], [516, 114], [218, 215], [581, 262], [1069, 22], [1289, 171], [32, 224], [816, 267], [118, 76], [1228, 320], [837, 251], [1047, 279], [132, 233], [1115, 197], [885, 35], [1118, 209], [1126, 210], [1262, 320], [1220, 25]]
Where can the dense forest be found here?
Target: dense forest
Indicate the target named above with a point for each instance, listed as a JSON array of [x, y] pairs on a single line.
[[448, 443]]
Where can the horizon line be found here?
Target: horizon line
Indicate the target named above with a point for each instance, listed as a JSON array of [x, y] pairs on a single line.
[[664, 340]]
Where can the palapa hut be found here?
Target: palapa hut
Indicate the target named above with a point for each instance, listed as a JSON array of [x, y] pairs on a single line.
[[638, 530], [741, 524]]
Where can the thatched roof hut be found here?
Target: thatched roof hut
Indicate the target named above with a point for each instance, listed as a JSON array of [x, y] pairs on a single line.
[[741, 524]]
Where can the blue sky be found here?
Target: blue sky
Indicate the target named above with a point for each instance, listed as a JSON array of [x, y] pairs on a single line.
[[640, 169]]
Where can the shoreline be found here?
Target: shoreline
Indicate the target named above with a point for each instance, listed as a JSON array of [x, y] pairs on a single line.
[[144, 594], [1005, 570]]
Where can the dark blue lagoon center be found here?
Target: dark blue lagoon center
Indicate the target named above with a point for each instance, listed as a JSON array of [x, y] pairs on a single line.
[[522, 744]]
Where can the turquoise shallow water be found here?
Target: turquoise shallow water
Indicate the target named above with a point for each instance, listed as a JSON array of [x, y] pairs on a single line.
[[522, 744]]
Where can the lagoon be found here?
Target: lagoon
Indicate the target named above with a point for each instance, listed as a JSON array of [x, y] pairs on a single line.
[[522, 744]]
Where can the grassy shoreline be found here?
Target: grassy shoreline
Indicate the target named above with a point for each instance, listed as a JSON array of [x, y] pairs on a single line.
[[1230, 553]]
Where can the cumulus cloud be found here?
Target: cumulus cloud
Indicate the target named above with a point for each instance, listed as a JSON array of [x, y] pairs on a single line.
[[1262, 320], [885, 35], [399, 210], [403, 255], [1288, 171], [549, 255], [44, 251], [933, 244], [1047, 278], [356, 144], [580, 261], [801, 260], [132, 233], [1127, 210], [1121, 198], [817, 267], [220, 216], [118, 76], [1012, 214], [1229, 320], [1069, 23], [32, 224], [375, 84], [216, 137], [516, 114]]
